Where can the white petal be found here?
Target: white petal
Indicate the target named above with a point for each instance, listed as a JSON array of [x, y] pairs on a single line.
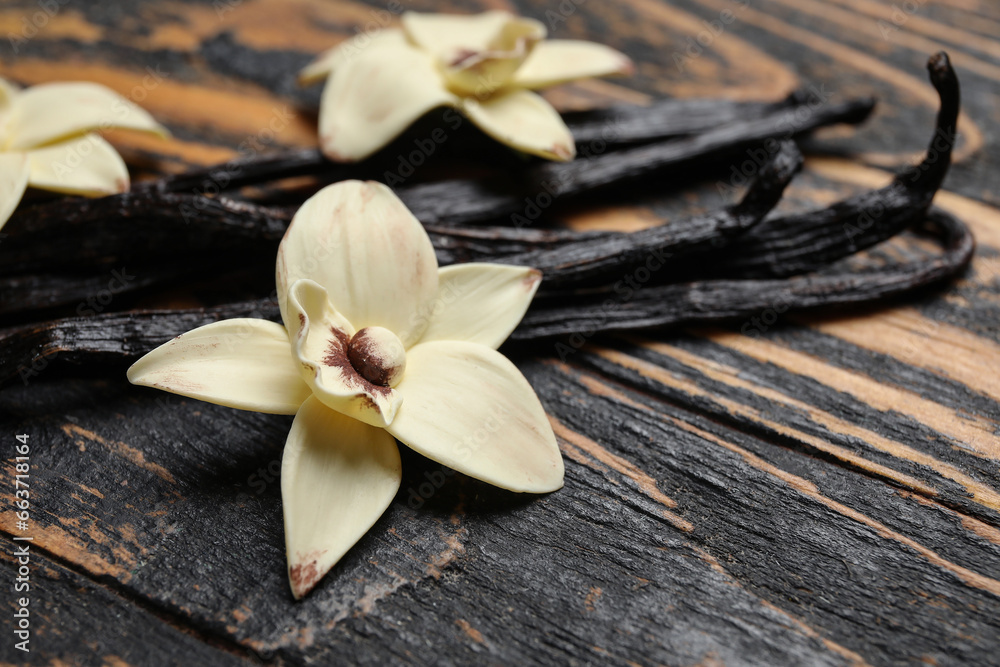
[[7, 93], [240, 363], [330, 60], [53, 111], [13, 181], [337, 478], [448, 35], [483, 72], [523, 120], [466, 406], [87, 166], [480, 303], [371, 98], [359, 242], [320, 336], [559, 60]]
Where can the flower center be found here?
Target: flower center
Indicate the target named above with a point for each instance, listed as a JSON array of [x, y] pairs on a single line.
[[377, 355]]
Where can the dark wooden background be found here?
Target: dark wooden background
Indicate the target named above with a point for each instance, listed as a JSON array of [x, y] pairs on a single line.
[[826, 492]]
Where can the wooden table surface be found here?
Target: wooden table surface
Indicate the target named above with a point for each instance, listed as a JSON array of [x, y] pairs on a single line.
[[819, 489]]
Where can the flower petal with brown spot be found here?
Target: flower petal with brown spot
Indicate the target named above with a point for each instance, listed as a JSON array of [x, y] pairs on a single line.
[[338, 476], [320, 345], [375, 335], [482, 65]]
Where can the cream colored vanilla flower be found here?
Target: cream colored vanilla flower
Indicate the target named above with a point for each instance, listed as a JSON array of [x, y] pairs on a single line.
[[46, 140], [378, 343], [485, 65]]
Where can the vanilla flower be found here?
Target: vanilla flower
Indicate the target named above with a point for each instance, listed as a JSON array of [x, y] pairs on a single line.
[[46, 140], [485, 65], [378, 343]]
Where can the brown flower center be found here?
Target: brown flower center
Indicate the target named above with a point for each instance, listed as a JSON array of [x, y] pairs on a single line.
[[377, 355]]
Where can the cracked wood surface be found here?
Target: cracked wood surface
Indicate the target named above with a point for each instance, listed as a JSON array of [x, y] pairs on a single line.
[[793, 490]]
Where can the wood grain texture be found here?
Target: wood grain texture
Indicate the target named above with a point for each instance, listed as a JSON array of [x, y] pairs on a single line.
[[821, 489]]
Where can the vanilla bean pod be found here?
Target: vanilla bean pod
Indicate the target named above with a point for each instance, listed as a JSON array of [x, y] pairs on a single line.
[[623, 125], [74, 233], [608, 257], [578, 263], [793, 244], [627, 308], [615, 126], [157, 218], [568, 256], [123, 337], [780, 246], [107, 339], [456, 244], [511, 199], [97, 291], [43, 291]]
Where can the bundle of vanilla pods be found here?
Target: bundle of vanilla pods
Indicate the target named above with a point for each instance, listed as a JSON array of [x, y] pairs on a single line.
[[62, 256]]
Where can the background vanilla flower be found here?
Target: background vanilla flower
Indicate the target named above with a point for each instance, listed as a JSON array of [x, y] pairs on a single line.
[[46, 140], [485, 65], [378, 344]]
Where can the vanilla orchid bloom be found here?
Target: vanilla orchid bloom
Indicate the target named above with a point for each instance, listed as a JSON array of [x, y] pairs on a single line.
[[484, 65], [46, 140], [378, 343]]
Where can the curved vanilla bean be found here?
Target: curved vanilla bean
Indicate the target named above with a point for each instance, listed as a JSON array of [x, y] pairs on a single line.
[[781, 245], [793, 244], [123, 337], [628, 308], [155, 219], [612, 127], [567, 256], [564, 263], [608, 256], [520, 199]]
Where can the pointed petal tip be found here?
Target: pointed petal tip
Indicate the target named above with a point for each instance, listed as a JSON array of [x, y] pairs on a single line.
[[338, 476], [627, 66], [304, 573], [525, 121], [161, 131], [563, 152], [532, 280], [311, 74], [334, 152], [133, 375], [501, 435], [240, 363]]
